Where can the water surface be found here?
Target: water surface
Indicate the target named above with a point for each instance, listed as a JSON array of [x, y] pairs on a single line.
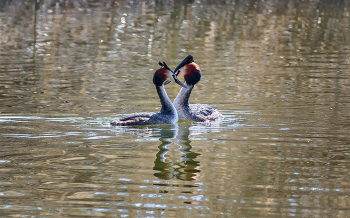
[[278, 72]]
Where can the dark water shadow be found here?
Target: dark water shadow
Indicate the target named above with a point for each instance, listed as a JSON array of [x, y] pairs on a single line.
[[185, 168]]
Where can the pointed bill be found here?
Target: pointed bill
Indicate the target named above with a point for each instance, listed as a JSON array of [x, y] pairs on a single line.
[[187, 60], [167, 82], [173, 77]]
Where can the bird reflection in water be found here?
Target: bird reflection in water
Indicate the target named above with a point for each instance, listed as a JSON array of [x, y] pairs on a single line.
[[168, 167]]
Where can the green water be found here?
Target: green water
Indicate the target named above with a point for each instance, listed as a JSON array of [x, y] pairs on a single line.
[[277, 70]]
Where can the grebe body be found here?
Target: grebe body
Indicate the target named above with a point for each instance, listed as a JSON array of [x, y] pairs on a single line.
[[167, 114]]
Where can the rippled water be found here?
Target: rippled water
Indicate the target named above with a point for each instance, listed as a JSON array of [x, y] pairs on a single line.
[[277, 70]]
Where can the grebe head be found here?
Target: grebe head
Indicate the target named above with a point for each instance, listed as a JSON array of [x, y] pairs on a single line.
[[163, 74], [189, 70]]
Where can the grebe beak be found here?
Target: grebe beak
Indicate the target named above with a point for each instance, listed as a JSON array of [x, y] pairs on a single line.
[[187, 60], [167, 82], [172, 75], [175, 79]]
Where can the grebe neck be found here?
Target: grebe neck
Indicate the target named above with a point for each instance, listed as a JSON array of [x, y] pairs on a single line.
[[182, 99], [167, 105]]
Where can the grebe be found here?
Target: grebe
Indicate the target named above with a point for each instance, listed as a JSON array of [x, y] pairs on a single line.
[[167, 114], [186, 111]]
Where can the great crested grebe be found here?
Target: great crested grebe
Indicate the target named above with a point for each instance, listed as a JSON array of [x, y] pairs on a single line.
[[167, 114], [186, 111]]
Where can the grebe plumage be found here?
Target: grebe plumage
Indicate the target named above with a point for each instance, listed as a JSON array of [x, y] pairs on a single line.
[[186, 111], [167, 114]]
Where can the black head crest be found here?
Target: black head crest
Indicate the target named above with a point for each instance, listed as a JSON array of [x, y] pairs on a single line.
[[187, 60], [166, 66]]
